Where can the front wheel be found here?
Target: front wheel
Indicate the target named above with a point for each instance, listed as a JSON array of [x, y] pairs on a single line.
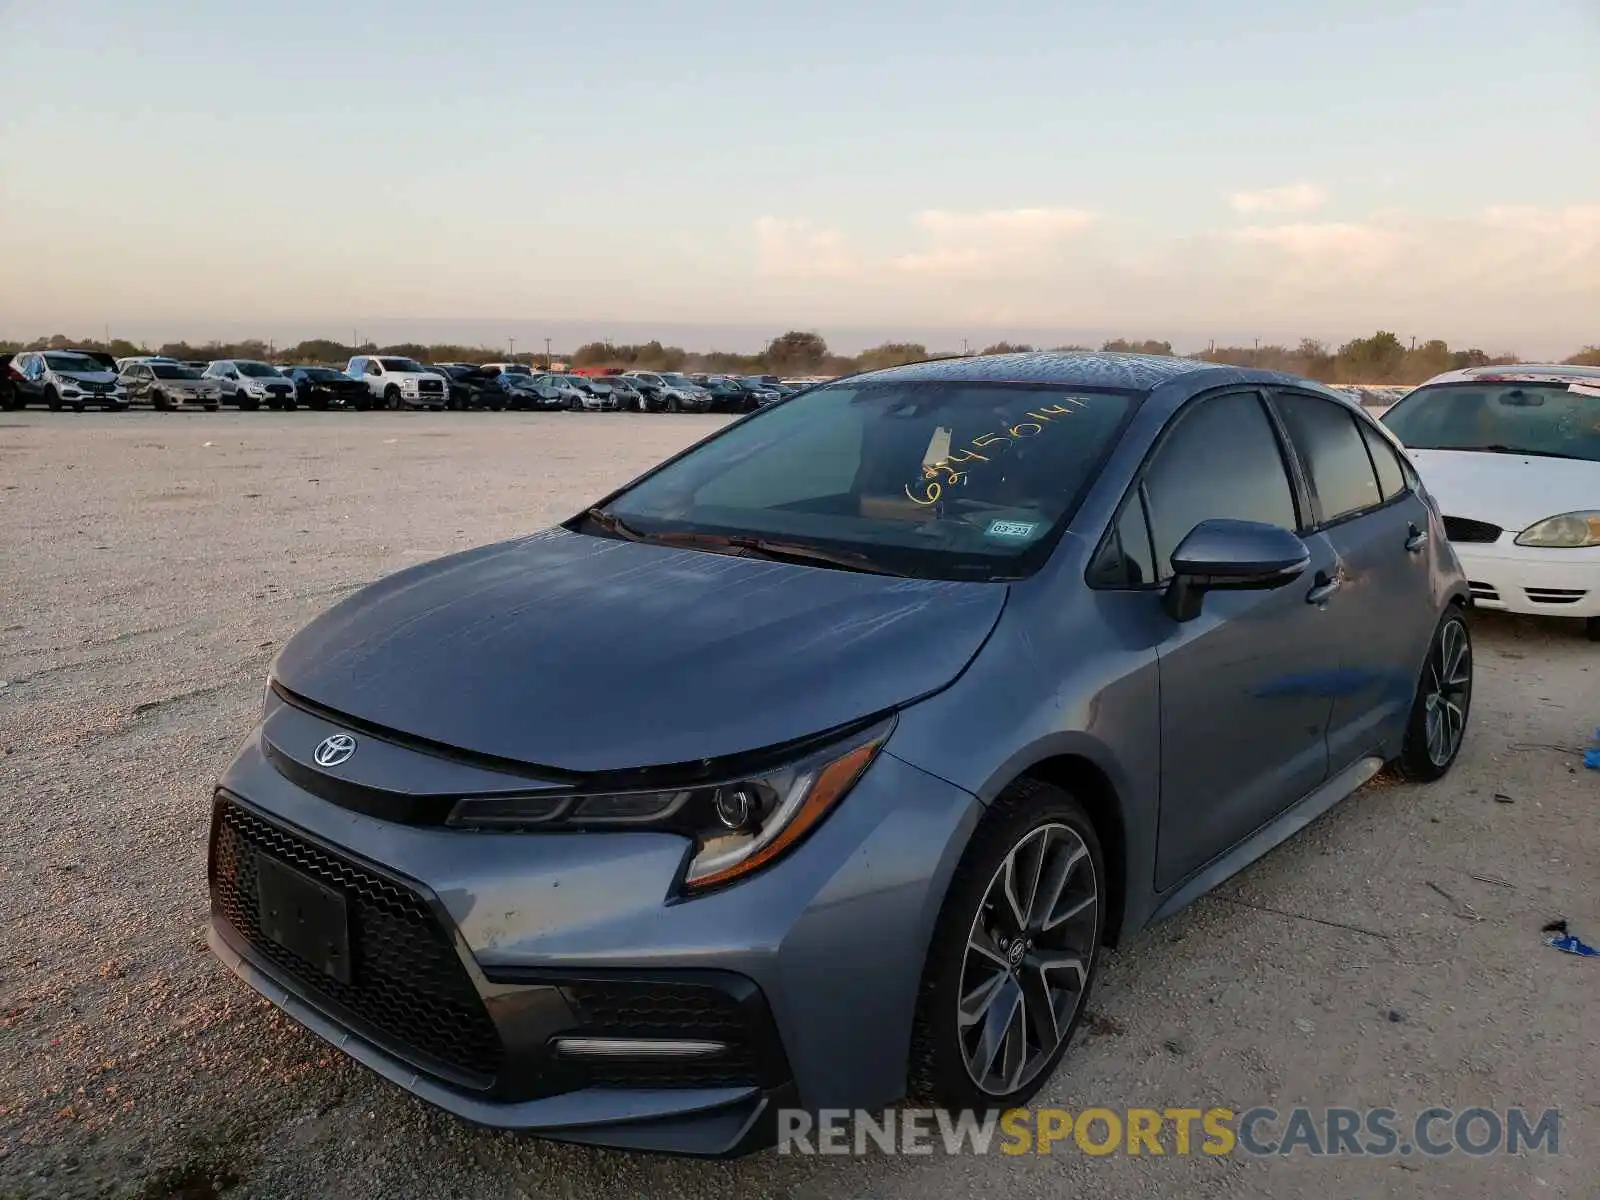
[[391, 399], [52, 400], [159, 400], [1438, 719], [1013, 954]]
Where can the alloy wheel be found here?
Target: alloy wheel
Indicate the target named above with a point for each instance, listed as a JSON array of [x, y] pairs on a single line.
[[1028, 959], [1447, 684]]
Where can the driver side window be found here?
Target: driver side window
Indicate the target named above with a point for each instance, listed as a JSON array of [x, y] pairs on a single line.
[[1221, 459]]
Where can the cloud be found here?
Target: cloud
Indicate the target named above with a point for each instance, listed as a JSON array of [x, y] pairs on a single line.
[[1010, 224], [996, 240], [797, 249], [1290, 198], [1341, 245]]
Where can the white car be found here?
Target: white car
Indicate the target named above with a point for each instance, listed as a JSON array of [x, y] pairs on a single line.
[[1512, 454], [250, 384], [400, 382]]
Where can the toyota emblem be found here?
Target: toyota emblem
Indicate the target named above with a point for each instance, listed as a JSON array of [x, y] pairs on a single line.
[[335, 749]]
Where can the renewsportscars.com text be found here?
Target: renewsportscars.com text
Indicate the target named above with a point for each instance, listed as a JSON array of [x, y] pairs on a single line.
[[1260, 1132]]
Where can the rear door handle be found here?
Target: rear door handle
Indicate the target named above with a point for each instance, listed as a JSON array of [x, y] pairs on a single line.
[[1416, 540], [1323, 589]]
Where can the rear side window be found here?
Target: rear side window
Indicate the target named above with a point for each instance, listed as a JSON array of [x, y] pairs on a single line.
[[1337, 465], [1221, 460], [1391, 476]]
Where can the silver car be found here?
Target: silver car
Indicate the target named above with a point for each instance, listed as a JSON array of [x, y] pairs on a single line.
[[165, 385], [819, 764]]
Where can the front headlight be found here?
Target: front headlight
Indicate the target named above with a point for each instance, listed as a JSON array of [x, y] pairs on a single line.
[[1569, 531], [737, 827], [254, 389]]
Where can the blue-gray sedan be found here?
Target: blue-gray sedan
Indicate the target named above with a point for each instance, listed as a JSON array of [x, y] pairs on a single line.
[[816, 766]]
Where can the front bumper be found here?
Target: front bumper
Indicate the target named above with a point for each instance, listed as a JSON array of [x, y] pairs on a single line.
[[1525, 579], [820, 956]]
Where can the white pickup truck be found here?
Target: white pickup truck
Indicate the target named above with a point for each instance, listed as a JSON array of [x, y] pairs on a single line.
[[399, 382]]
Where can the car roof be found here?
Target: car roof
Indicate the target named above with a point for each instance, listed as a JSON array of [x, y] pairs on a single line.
[[1078, 368], [1524, 372]]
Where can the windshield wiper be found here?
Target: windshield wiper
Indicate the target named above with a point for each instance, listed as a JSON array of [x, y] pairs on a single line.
[[750, 545], [1501, 448], [846, 560], [614, 524]]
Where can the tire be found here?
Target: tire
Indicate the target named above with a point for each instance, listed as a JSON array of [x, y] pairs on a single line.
[[1438, 722], [1037, 829], [160, 402], [52, 399], [1591, 629], [248, 405], [392, 400]]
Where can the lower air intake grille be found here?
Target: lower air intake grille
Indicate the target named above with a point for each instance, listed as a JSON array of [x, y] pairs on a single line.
[[407, 985], [669, 1010], [1464, 529]]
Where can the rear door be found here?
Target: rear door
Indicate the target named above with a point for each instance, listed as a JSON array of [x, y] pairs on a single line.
[[1378, 528], [1243, 714]]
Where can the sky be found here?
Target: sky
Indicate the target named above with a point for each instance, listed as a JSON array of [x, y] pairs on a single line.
[[717, 171]]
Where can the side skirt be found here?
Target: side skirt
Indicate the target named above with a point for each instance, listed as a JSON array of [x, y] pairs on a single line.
[[1280, 829]]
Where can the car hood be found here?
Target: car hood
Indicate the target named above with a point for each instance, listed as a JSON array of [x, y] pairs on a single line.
[[587, 654], [86, 376], [1512, 491]]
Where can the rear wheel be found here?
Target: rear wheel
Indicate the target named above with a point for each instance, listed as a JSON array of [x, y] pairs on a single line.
[[1443, 701], [1013, 954]]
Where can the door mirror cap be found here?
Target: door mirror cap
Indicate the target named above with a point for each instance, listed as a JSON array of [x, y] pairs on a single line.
[[1223, 555]]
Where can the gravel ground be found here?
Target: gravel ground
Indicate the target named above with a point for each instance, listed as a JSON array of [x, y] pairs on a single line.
[[150, 566]]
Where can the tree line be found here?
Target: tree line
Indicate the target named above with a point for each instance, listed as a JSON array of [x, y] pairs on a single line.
[[1380, 359]]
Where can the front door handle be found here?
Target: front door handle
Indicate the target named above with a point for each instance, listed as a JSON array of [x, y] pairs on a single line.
[[1323, 589], [1416, 540]]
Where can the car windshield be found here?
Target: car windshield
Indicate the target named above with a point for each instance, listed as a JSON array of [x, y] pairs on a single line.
[[947, 480], [323, 373], [172, 371], [258, 370], [73, 362], [678, 381], [402, 364], [516, 369], [1504, 417]]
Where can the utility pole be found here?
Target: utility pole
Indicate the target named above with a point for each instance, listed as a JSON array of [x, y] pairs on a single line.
[[965, 348], [1255, 358], [1413, 341], [513, 342], [548, 361]]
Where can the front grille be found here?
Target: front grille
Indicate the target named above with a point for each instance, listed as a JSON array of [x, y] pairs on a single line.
[[1464, 529], [430, 385], [407, 981], [658, 1009], [1482, 591], [1555, 595], [279, 389]]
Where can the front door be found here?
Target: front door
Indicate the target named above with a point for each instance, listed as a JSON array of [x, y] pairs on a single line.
[[1244, 696]]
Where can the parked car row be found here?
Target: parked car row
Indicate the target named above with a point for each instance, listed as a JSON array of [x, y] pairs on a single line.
[[79, 379]]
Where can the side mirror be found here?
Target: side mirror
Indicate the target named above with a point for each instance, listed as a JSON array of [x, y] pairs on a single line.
[[1221, 555]]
